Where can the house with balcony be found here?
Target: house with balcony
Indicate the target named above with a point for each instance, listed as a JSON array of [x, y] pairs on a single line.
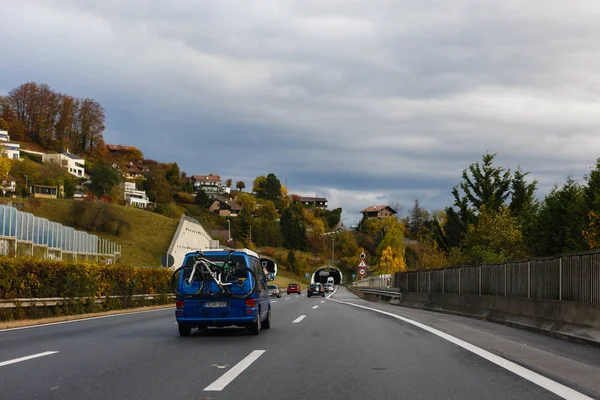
[[208, 183], [134, 197], [378, 212], [11, 150], [74, 164], [311, 202]]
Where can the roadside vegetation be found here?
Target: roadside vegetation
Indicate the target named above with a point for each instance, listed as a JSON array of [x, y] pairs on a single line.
[[82, 283]]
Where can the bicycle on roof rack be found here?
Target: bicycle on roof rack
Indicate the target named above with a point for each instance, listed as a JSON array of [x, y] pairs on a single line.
[[189, 282]]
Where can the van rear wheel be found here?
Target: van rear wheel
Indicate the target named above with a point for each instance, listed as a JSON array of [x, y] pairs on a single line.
[[184, 330], [254, 327], [267, 322]]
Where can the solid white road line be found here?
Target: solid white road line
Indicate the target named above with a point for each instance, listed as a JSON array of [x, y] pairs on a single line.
[[533, 377], [315, 307], [300, 318], [322, 301], [234, 372], [84, 319], [16, 360], [336, 288]]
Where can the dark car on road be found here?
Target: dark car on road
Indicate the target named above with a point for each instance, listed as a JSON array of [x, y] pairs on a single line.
[[293, 288], [315, 289]]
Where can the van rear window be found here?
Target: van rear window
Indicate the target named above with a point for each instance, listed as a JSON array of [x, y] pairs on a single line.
[[236, 261]]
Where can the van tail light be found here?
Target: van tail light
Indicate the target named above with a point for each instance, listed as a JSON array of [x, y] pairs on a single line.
[[179, 304], [250, 303]]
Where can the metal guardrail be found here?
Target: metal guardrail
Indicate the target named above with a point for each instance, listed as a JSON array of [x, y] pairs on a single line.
[[55, 301], [391, 293]]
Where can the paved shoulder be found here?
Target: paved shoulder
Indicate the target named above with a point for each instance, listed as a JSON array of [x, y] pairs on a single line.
[[574, 365]]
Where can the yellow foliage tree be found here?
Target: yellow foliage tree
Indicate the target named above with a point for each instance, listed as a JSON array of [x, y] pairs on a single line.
[[592, 233], [5, 164], [391, 249], [429, 255]]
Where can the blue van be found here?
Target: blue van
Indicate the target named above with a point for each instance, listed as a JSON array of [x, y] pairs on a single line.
[[212, 307]]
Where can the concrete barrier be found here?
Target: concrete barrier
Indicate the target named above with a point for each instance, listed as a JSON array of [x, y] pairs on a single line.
[[575, 321]]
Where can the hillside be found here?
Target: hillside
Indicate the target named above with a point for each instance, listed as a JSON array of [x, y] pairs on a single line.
[[143, 244]]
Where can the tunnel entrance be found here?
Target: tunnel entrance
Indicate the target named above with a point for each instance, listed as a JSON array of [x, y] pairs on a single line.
[[323, 273]]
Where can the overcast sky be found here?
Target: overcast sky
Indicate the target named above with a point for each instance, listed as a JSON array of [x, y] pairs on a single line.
[[363, 102]]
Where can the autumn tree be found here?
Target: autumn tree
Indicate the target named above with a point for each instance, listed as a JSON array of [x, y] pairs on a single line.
[[390, 250], [591, 193], [104, 178], [430, 255], [265, 228], [317, 230], [228, 182], [495, 238], [5, 164], [173, 174], [35, 113], [293, 228], [258, 186]]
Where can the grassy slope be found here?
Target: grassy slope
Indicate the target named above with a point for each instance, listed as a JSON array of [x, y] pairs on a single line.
[[284, 277], [143, 245]]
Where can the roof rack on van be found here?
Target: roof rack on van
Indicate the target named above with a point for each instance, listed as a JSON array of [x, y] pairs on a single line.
[[247, 251]]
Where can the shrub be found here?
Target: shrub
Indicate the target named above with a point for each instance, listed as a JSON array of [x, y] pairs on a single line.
[[36, 278]]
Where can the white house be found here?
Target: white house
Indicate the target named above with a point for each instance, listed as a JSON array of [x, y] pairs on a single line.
[[9, 185], [72, 162], [208, 183], [12, 150], [133, 196]]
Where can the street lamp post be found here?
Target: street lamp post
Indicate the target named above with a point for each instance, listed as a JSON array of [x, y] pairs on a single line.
[[332, 250]]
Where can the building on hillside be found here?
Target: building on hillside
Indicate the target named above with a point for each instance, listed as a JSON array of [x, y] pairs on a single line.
[[135, 171], [311, 202], [225, 208], [9, 185], [74, 164], [134, 197], [45, 192], [117, 148], [11, 150], [208, 183], [378, 212], [125, 153]]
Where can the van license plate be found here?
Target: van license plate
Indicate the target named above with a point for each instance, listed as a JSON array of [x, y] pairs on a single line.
[[215, 304]]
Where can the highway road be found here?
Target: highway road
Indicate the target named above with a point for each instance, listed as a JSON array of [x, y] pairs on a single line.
[[340, 347]]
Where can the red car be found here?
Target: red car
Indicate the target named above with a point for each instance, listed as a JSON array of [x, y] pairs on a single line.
[[293, 288]]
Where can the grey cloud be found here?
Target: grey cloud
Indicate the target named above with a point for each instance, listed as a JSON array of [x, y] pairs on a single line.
[[360, 100]]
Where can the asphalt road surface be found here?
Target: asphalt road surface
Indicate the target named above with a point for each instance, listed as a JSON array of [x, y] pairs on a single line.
[[340, 347]]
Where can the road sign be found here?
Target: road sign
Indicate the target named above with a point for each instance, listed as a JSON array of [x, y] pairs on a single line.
[[362, 256], [353, 276], [362, 264], [307, 275], [362, 271]]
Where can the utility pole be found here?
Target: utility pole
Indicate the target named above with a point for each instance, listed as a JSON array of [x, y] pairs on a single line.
[[332, 250], [229, 229]]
